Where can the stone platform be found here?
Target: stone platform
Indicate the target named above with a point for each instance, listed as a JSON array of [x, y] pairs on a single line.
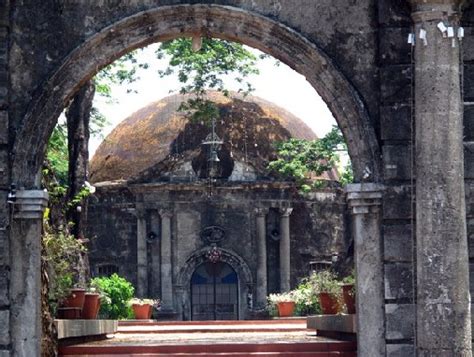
[[338, 323], [85, 328]]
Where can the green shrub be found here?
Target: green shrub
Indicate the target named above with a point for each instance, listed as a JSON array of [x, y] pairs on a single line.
[[116, 293], [325, 282], [307, 301]]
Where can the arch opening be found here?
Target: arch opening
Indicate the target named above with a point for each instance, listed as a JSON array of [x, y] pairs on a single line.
[[169, 22]]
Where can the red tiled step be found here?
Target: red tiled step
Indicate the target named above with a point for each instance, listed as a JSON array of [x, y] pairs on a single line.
[[230, 354], [278, 321], [195, 349]]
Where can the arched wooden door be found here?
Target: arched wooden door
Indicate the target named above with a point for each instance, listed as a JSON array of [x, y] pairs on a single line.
[[214, 292]]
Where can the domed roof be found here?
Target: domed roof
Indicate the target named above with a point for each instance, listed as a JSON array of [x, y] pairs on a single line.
[[249, 125]]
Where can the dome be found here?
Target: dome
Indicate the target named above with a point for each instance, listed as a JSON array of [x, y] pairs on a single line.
[[249, 127]]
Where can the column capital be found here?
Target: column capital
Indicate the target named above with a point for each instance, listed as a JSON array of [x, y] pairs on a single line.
[[165, 213], [140, 213], [261, 211], [364, 198], [286, 211], [30, 204]]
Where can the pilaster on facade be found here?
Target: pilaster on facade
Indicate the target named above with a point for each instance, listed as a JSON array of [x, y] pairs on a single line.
[[261, 286], [25, 270], [285, 248], [166, 261], [142, 256], [365, 201]]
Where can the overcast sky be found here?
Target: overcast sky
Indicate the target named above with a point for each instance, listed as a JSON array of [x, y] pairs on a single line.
[[278, 84]]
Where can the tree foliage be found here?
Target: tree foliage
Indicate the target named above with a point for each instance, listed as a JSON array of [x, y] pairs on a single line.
[[304, 160], [205, 69]]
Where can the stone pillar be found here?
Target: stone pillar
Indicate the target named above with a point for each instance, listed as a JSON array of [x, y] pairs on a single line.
[[166, 262], [25, 275], [155, 252], [443, 301], [364, 202], [285, 253], [261, 286], [142, 258]]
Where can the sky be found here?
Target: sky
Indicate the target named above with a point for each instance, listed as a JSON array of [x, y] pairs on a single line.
[[276, 83]]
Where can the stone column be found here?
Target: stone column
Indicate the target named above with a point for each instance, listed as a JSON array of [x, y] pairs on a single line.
[[261, 286], [155, 268], [25, 275], [142, 258], [443, 301], [285, 249], [364, 202], [166, 262]]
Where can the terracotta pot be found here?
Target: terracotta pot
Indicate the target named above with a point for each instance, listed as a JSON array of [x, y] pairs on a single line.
[[68, 313], [91, 306], [142, 311], [349, 298], [329, 304], [286, 308], [75, 298]]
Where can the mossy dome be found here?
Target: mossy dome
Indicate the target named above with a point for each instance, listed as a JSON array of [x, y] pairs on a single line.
[[159, 138]]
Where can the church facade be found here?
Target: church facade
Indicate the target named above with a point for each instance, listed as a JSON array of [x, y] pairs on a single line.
[[211, 246]]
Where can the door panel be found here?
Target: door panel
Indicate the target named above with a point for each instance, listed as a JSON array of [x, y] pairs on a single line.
[[214, 293]]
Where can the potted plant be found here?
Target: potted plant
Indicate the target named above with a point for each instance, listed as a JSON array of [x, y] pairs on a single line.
[[307, 302], [348, 293], [284, 302], [116, 293], [326, 285], [143, 308], [91, 303]]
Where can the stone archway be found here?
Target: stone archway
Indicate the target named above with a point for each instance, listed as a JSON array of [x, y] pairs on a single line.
[[168, 22], [245, 280], [138, 30]]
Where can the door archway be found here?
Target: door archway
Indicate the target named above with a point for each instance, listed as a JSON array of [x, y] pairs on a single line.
[[214, 292]]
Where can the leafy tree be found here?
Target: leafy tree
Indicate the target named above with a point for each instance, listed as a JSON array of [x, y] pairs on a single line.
[[299, 159], [57, 154], [205, 69]]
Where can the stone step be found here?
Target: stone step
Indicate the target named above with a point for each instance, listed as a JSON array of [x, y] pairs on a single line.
[[209, 327], [230, 354], [317, 349]]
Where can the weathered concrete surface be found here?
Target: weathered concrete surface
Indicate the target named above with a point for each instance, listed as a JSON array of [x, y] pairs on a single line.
[[84, 328], [442, 255], [364, 202], [337, 323]]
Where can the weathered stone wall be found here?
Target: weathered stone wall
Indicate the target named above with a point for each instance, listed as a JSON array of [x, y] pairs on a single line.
[[468, 58], [112, 217], [4, 181], [396, 136], [317, 227]]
